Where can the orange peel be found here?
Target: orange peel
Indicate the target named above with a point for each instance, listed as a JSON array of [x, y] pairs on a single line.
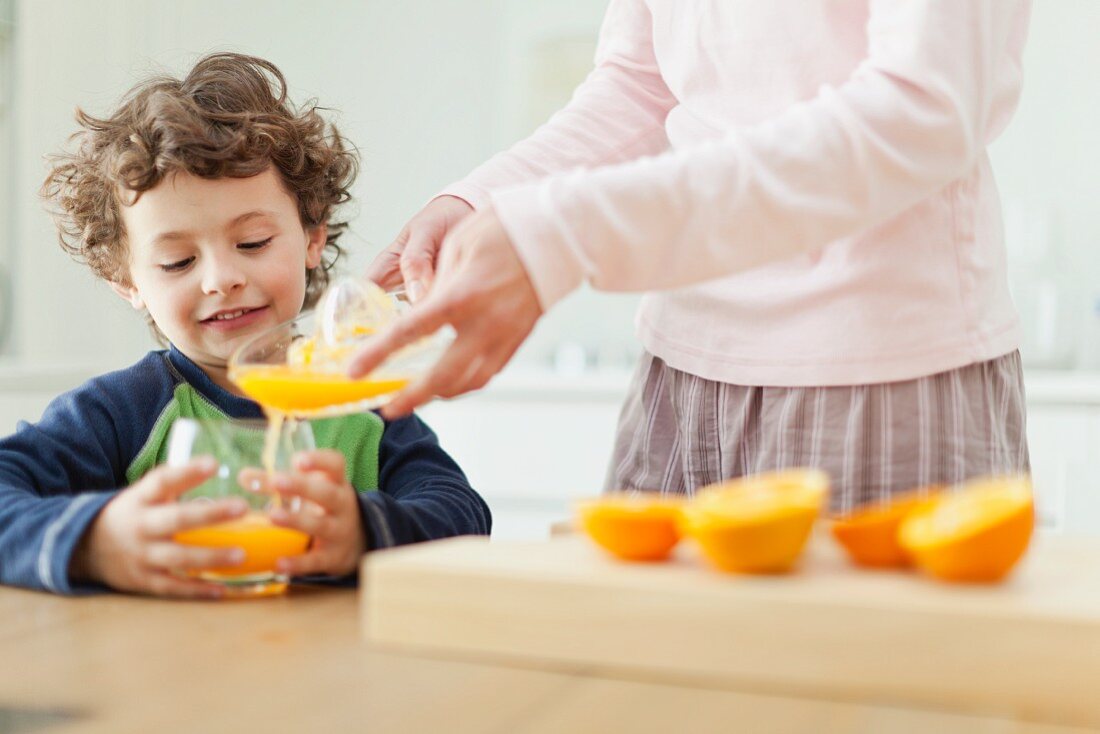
[[870, 534], [757, 524], [632, 527], [976, 533]]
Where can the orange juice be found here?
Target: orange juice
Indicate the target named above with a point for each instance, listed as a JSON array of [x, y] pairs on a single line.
[[263, 544], [294, 390]]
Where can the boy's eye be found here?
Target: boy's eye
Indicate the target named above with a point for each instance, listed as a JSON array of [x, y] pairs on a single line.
[[255, 245], [176, 266]]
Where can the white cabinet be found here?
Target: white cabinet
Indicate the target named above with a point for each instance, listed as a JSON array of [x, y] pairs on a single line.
[[530, 445], [26, 390], [1064, 437], [532, 442]]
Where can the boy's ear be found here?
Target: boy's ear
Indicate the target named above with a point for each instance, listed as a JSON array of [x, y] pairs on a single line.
[[315, 245], [128, 293]]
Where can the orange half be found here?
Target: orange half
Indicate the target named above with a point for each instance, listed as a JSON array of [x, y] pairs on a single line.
[[870, 535], [976, 533], [757, 524], [632, 527]]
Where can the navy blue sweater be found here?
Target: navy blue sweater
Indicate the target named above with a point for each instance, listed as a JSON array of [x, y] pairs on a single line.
[[57, 474]]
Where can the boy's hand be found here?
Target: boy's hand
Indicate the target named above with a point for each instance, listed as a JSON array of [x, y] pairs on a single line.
[[411, 258], [329, 513], [129, 546]]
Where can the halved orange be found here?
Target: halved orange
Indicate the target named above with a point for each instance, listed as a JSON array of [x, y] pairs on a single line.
[[756, 524], [975, 533], [870, 534], [632, 527]]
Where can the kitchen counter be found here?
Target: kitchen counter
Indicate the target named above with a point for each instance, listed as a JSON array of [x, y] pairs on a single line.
[[1044, 387], [522, 382], [575, 416]]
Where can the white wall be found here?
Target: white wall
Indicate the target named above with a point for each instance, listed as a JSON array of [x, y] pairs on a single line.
[[86, 53], [7, 180], [413, 80], [438, 119], [429, 88], [426, 89], [1048, 158], [1047, 165]]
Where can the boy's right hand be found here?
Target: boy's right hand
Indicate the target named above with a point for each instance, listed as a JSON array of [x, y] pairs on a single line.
[[411, 258], [129, 545]]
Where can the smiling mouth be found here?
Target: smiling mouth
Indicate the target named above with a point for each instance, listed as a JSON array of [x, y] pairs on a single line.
[[230, 315]]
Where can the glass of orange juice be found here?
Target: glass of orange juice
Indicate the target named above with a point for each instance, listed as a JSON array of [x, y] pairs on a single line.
[[244, 451]]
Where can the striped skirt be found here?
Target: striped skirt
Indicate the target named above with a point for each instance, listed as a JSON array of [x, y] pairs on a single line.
[[678, 432]]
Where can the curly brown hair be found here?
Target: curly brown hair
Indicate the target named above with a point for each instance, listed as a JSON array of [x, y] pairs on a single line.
[[230, 116]]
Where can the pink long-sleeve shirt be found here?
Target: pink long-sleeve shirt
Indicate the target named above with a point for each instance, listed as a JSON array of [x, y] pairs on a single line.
[[801, 187]]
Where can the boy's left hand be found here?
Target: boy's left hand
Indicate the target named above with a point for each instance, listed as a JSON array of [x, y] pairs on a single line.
[[329, 512]]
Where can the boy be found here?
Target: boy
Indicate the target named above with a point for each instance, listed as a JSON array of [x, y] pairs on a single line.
[[206, 203]]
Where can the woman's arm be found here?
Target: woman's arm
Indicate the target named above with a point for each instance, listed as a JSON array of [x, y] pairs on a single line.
[[939, 82], [616, 114]]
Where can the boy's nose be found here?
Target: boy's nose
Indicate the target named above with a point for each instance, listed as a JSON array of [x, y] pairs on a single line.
[[221, 277]]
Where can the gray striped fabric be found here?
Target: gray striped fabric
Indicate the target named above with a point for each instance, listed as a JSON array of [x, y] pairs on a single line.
[[678, 432]]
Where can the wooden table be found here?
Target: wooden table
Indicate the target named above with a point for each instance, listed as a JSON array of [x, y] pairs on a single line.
[[298, 664]]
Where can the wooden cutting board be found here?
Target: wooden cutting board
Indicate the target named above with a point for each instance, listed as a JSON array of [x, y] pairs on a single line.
[[1028, 648]]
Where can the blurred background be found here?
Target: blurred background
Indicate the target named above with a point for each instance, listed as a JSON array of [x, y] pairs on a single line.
[[427, 90]]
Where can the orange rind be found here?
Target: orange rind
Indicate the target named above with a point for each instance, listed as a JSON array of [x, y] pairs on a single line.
[[632, 527], [870, 534], [756, 524], [976, 533]]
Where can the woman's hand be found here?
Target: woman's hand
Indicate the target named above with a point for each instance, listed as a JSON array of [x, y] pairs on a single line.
[[411, 258], [129, 546], [483, 291]]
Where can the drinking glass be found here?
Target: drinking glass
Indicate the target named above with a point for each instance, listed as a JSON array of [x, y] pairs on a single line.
[[238, 447]]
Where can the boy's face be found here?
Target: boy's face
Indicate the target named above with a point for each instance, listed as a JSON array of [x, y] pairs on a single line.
[[217, 261]]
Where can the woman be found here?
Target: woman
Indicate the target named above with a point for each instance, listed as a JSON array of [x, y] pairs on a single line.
[[803, 191]]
